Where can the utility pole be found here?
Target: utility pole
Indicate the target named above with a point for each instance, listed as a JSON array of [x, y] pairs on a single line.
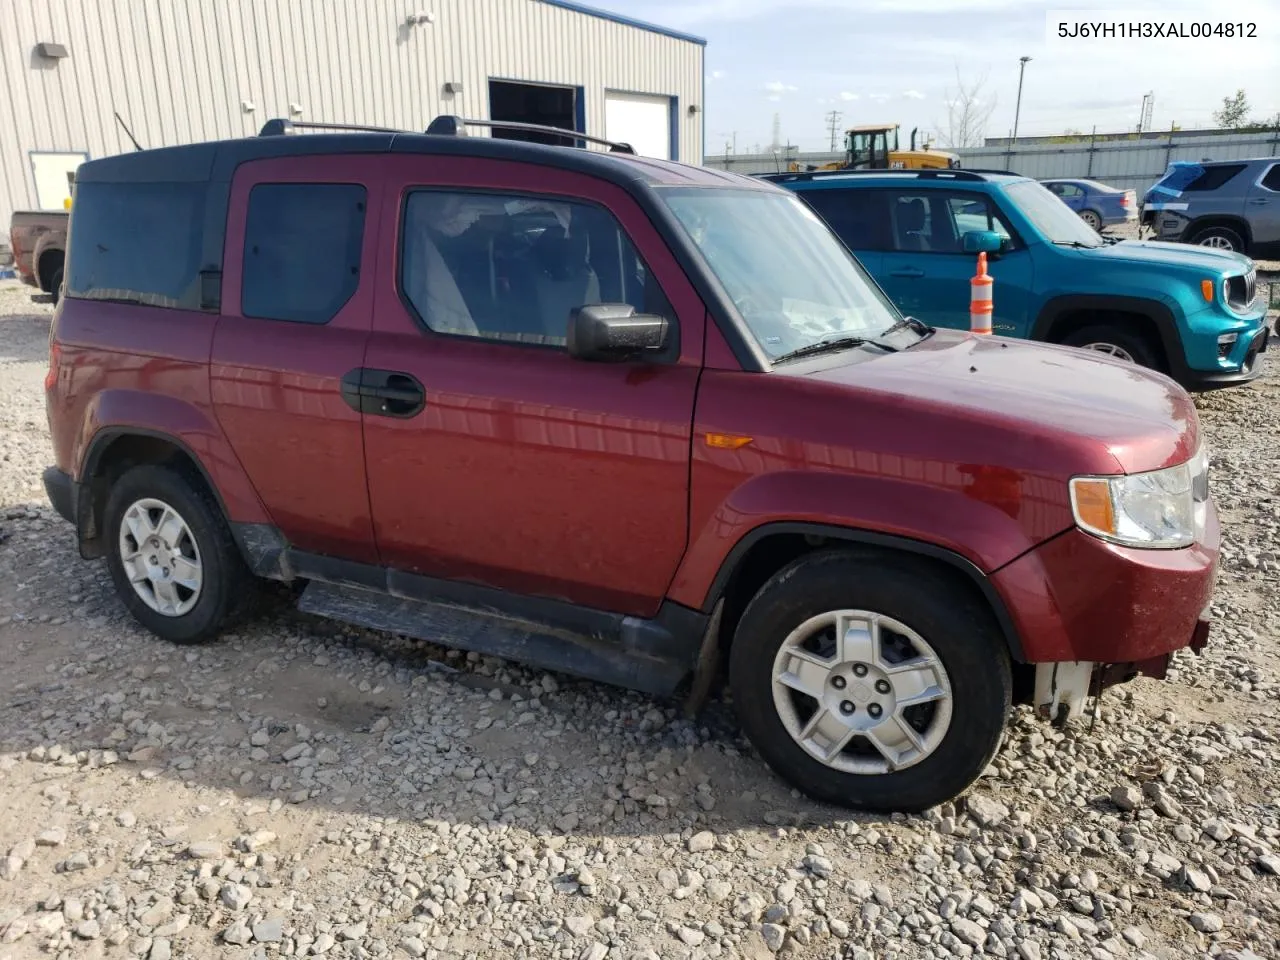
[[833, 125], [1017, 110]]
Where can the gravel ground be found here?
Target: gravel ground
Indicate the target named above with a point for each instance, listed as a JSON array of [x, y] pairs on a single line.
[[303, 789]]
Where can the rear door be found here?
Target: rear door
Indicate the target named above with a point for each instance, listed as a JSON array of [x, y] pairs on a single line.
[[296, 312], [927, 272], [521, 468], [858, 217]]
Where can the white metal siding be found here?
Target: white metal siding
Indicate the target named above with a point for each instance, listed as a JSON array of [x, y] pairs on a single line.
[[177, 70]]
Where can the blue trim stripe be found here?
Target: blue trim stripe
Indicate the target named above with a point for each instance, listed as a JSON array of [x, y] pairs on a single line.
[[675, 128], [625, 21]]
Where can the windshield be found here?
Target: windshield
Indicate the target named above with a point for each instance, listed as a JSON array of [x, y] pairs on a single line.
[[1055, 221], [790, 278]]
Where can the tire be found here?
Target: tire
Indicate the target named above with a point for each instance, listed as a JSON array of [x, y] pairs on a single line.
[[1117, 342], [1091, 220], [1220, 238], [226, 590], [962, 635]]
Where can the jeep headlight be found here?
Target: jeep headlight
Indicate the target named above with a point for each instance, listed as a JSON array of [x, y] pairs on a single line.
[[1160, 509]]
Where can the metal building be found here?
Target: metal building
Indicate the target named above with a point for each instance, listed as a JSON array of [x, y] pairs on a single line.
[[178, 71]]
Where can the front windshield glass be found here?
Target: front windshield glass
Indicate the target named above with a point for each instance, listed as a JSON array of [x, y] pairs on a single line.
[[1056, 222], [790, 278]]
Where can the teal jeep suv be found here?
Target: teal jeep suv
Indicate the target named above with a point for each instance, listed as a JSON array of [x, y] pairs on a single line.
[[1190, 312]]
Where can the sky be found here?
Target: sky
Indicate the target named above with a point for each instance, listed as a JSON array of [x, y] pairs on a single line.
[[897, 61]]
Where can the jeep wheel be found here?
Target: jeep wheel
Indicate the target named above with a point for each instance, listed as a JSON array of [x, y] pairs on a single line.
[[869, 682], [1091, 219], [1220, 238], [1115, 342], [172, 557]]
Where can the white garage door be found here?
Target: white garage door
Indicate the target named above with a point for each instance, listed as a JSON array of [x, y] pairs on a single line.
[[642, 121]]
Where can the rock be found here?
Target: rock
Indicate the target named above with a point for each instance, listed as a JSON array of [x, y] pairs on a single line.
[[1195, 879], [1028, 950], [702, 842], [718, 891], [1134, 937], [10, 866], [413, 947], [774, 936], [157, 913], [1127, 797], [205, 850], [1217, 829], [968, 932], [579, 926], [269, 930], [52, 838], [1164, 804], [691, 937], [161, 949], [235, 896], [24, 850], [597, 951], [48, 924], [818, 866], [238, 933], [126, 819], [839, 928], [324, 943], [986, 811], [88, 930], [1268, 863], [1206, 922], [75, 862]]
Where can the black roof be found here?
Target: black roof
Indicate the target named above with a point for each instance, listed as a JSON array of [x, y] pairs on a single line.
[[217, 160]]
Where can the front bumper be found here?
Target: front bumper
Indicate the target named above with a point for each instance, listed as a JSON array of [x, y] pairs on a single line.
[[60, 489], [1250, 367], [1078, 598]]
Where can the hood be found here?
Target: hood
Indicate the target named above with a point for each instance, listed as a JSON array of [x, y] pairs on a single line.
[[1156, 252], [1099, 412]]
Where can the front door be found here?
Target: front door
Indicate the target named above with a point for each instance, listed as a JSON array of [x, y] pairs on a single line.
[[1262, 207], [296, 312], [524, 469], [927, 272]]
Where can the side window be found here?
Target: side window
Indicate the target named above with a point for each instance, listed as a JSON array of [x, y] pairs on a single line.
[[855, 216], [302, 248], [1272, 180], [1214, 177], [507, 267], [920, 223], [137, 242], [1057, 189], [1070, 190], [973, 211]]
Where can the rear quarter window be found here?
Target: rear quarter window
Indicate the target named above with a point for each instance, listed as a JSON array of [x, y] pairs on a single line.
[[137, 242], [858, 217], [1214, 177]]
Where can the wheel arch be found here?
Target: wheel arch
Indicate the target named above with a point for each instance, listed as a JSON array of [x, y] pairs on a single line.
[[1060, 315], [1230, 221], [766, 549]]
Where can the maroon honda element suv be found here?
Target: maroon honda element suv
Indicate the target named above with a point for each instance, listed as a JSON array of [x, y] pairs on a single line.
[[617, 417]]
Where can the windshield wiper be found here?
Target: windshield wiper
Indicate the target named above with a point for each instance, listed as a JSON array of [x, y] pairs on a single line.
[[919, 326], [831, 345], [1077, 244]]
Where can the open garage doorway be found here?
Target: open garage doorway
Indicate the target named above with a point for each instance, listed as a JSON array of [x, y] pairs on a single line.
[[544, 104]]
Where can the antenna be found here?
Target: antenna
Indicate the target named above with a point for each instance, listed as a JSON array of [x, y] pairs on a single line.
[[125, 128], [833, 126]]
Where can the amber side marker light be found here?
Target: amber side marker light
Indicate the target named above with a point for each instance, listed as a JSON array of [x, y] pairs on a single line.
[[1094, 509], [727, 441], [1206, 290]]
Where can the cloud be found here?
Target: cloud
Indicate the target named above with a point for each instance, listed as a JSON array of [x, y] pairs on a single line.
[[777, 86], [913, 94], [880, 97], [847, 96], [715, 75]]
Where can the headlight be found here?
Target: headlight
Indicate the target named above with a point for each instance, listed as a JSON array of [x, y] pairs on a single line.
[[1161, 509]]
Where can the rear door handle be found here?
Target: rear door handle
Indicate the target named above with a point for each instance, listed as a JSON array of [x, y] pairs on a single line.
[[383, 393], [911, 272], [1259, 200]]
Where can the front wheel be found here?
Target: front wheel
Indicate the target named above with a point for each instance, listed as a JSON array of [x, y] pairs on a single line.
[[870, 682], [1115, 342], [172, 557]]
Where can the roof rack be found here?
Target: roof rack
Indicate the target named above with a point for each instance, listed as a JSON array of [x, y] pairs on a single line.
[[951, 174], [444, 125], [451, 126]]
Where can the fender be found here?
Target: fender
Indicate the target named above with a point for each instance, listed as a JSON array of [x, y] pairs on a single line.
[[113, 414], [1155, 311]]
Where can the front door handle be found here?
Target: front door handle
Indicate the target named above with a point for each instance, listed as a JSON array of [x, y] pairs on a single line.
[[383, 393], [911, 272]]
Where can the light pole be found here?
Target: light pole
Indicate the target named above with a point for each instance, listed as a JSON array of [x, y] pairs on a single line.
[[1022, 61]]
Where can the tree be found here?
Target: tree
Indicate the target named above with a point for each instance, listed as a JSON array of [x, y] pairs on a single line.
[[968, 111], [1233, 112]]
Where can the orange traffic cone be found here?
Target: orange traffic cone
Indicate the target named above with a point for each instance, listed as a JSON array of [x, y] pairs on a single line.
[[980, 306]]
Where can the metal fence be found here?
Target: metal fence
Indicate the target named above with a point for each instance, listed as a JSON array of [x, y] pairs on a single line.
[[1127, 164]]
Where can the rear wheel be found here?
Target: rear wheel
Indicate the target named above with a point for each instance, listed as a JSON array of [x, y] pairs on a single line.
[[1115, 342], [870, 682], [1220, 238], [1091, 219], [172, 557]]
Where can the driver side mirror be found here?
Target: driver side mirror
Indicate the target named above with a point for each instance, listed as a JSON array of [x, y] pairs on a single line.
[[984, 241], [614, 331]]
